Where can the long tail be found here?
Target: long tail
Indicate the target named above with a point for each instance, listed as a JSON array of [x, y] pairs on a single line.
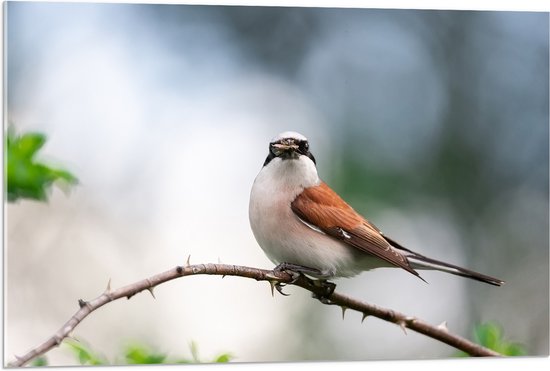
[[423, 262]]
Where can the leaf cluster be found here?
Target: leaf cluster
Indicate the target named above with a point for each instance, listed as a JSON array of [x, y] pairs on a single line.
[[27, 177], [133, 354], [491, 335]]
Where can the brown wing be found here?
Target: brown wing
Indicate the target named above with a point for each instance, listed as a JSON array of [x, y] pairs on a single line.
[[321, 207]]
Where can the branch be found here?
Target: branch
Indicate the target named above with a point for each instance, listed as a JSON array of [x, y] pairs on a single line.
[[273, 277]]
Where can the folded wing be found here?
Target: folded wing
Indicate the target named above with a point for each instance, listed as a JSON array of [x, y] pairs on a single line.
[[323, 209]]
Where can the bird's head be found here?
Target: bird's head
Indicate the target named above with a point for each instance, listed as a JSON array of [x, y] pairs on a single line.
[[289, 145]]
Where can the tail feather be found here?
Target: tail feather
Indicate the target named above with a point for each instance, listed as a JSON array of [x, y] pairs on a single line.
[[422, 262], [419, 261]]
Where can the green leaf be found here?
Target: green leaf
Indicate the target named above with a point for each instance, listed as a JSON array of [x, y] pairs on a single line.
[[491, 335], [194, 352], [139, 354], [40, 361], [28, 144], [136, 354], [85, 355], [514, 349], [27, 178], [223, 358]]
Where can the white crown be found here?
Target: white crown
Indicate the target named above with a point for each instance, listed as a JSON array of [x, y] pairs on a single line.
[[288, 134]]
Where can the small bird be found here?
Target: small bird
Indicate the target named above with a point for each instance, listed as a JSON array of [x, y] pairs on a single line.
[[303, 226]]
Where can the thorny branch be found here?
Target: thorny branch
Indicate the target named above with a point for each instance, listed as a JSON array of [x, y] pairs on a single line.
[[440, 333]]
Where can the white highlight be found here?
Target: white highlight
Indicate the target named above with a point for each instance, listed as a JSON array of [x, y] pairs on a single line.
[[346, 234], [315, 228]]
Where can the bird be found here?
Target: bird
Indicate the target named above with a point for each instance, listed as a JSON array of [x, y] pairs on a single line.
[[305, 227]]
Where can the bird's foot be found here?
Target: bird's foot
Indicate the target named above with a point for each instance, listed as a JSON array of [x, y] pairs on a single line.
[[327, 287], [296, 271]]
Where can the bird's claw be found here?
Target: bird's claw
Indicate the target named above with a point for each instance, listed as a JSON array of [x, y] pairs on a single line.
[[328, 288], [279, 286], [275, 280], [298, 271]]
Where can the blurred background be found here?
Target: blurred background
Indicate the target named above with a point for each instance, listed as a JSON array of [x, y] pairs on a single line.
[[433, 124]]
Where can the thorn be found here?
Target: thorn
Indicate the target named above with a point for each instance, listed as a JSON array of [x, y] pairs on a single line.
[[219, 260], [343, 311], [187, 264], [271, 276], [150, 288], [58, 339], [443, 326], [70, 337], [108, 289], [403, 326], [272, 284], [365, 315], [19, 358], [81, 303]]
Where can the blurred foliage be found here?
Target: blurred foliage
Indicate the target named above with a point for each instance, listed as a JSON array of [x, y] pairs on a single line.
[[132, 355], [491, 335], [39, 361], [85, 354], [27, 178]]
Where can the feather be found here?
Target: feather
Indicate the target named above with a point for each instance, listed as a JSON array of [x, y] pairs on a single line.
[[322, 208]]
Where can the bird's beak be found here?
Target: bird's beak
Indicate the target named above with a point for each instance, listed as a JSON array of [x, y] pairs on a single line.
[[285, 148]]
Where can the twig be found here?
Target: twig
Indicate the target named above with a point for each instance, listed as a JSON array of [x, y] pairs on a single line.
[[86, 307]]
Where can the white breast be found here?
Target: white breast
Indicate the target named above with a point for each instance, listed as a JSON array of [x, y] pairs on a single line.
[[280, 233]]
